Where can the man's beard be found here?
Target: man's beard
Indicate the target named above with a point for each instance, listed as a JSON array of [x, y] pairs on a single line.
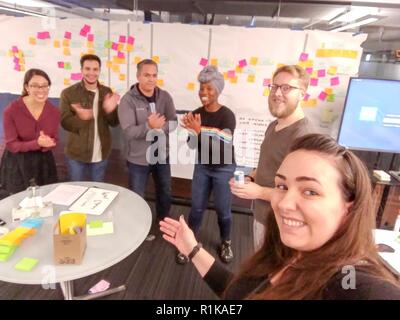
[[281, 113]]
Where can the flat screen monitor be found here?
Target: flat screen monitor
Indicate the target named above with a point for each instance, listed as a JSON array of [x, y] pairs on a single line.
[[371, 116]]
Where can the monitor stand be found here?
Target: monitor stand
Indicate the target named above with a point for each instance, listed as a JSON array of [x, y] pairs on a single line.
[[395, 174]]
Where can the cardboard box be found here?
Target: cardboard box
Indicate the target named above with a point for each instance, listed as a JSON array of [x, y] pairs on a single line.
[[68, 248]]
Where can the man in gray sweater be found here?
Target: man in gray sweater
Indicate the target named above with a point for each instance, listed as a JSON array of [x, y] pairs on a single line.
[[147, 114]]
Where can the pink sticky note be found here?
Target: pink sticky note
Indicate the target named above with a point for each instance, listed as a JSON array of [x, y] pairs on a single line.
[[314, 82], [242, 63], [122, 39], [17, 67], [60, 64], [121, 55], [231, 73], [76, 76], [306, 97], [14, 49], [114, 46], [303, 56], [321, 73], [203, 62], [86, 28], [43, 35], [322, 96], [90, 37], [16, 60], [67, 35], [83, 33], [309, 70], [266, 82], [131, 40], [335, 81]]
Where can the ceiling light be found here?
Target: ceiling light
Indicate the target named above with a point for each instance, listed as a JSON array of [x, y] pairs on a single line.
[[29, 13], [355, 24], [354, 14]]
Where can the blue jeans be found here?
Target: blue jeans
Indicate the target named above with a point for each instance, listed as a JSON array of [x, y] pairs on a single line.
[[138, 176], [83, 171], [206, 180]]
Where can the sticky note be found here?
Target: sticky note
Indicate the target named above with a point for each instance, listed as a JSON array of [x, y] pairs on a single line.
[[43, 35], [17, 67], [309, 103], [335, 81], [67, 82], [156, 59], [16, 60], [122, 39], [231, 74], [238, 69], [332, 70], [32, 222], [309, 70], [114, 46], [7, 249], [117, 60], [14, 49], [131, 40], [306, 97], [137, 59], [107, 44], [303, 56], [26, 264], [67, 66], [120, 47], [129, 47], [76, 76], [160, 82], [5, 256], [203, 62], [233, 80], [253, 61], [322, 96], [96, 224], [190, 86], [251, 78], [115, 68], [331, 98], [67, 35], [321, 73], [32, 40], [60, 64], [56, 44], [108, 64], [67, 52], [121, 77], [266, 82], [242, 63], [106, 228], [309, 63], [91, 51], [329, 91], [214, 62], [121, 55], [314, 82], [266, 92], [66, 43], [225, 75]]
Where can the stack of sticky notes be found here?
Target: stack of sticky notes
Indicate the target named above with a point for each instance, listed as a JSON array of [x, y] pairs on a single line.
[[72, 222], [26, 264], [99, 227], [11, 241]]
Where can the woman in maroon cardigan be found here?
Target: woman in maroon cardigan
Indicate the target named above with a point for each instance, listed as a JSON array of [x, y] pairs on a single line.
[[31, 125]]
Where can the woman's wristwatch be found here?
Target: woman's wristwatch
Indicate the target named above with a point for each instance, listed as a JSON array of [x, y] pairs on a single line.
[[195, 250]]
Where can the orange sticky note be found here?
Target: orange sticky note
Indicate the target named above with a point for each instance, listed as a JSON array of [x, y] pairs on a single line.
[[226, 75], [214, 62], [66, 82], [67, 52], [311, 103], [233, 80], [89, 44], [120, 47], [56, 44], [190, 86], [22, 68], [65, 43], [160, 82], [137, 59], [266, 92], [108, 64], [253, 61], [156, 59], [251, 78], [121, 77], [32, 40], [238, 69], [129, 47], [329, 91], [115, 68], [91, 51]]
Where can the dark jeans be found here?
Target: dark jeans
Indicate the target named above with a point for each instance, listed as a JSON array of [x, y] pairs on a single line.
[[83, 171], [212, 179], [138, 176]]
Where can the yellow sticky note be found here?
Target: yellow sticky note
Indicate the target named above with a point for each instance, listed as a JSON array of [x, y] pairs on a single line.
[[121, 77], [251, 78], [65, 43], [108, 64], [66, 82], [67, 52], [22, 68], [89, 44], [190, 86], [329, 91], [311, 103], [129, 48], [214, 62], [302, 64], [115, 68], [253, 61], [160, 82], [233, 80], [32, 40], [314, 74], [226, 75], [20, 54], [91, 51], [120, 47], [238, 69], [309, 63], [137, 59], [10, 53], [156, 59], [56, 44], [119, 60], [21, 61], [266, 92], [332, 70]]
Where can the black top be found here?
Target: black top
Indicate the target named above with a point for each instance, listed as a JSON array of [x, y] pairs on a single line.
[[367, 287], [216, 136]]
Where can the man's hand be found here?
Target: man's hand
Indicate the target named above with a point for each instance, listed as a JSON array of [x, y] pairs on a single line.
[[156, 121], [45, 141], [82, 113], [248, 190], [192, 121], [110, 102]]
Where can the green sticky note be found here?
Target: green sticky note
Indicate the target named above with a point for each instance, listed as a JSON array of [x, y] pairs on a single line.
[[331, 98], [5, 256], [107, 44], [26, 264], [6, 249], [96, 224], [67, 66]]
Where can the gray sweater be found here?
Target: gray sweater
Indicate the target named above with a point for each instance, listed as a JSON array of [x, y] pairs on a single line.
[[133, 112]]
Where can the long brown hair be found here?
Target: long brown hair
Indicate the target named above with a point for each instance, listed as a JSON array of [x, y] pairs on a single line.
[[29, 75], [352, 243]]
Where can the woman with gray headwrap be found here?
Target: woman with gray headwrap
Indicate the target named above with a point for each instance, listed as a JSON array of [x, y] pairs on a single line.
[[211, 130]]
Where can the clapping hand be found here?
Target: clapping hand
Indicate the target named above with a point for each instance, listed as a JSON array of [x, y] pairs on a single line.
[[192, 121], [110, 102], [82, 113], [45, 141], [156, 121]]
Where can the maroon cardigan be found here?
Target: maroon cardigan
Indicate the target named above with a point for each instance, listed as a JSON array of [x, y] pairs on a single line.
[[21, 130]]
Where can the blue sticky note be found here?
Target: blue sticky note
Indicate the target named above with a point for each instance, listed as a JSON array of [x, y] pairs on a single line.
[[34, 223]]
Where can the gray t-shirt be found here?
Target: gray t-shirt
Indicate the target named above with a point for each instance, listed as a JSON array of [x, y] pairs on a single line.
[[273, 150]]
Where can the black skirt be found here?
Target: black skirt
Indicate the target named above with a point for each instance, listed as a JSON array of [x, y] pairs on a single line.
[[19, 170]]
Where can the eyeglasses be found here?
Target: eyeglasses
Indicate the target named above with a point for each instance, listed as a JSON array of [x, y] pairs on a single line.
[[285, 88], [37, 87]]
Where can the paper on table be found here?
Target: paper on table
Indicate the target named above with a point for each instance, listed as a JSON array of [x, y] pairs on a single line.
[[65, 194], [94, 201], [106, 228]]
